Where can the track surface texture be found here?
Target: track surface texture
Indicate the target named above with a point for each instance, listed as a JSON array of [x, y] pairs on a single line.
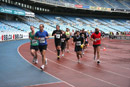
[[114, 70]]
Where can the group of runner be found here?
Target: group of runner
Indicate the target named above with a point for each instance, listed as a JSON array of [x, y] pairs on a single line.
[[38, 41]]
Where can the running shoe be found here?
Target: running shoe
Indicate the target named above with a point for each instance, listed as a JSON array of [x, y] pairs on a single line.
[[98, 61], [62, 55], [78, 61], [42, 67], [68, 51], [58, 57], [36, 61]]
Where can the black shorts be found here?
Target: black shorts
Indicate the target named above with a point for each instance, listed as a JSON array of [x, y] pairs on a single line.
[[95, 46], [57, 43], [42, 47], [86, 42], [63, 45], [67, 39], [72, 36], [78, 48], [34, 47]]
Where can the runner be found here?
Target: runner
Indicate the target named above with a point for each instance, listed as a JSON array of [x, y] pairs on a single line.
[[86, 41], [72, 34], [96, 38], [42, 36], [83, 34], [63, 43], [67, 33], [33, 45], [57, 33], [78, 45]]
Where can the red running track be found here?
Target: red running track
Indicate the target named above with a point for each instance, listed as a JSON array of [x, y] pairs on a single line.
[[112, 72]]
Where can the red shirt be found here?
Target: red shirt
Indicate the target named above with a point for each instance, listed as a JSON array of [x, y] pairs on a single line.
[[97, 38]]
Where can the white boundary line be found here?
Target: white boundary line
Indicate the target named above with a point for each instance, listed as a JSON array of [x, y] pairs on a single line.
[[45, 84], [39, 69], [99, 68], [84, 73], [114, 65]]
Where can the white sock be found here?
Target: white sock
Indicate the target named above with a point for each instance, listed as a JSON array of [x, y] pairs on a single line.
[[46, 61], [42, 66], [98, 60]]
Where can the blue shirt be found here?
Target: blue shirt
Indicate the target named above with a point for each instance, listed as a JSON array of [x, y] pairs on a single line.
[[42, 35]]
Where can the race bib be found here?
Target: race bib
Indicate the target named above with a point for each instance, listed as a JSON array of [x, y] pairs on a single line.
[[34, 41], [78, 43], [57, 36], [83, 35], [86, 39], [97, 39], [62, 40], [42, 40]]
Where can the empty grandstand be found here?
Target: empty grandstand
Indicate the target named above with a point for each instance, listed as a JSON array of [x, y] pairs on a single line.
[[108, 15]]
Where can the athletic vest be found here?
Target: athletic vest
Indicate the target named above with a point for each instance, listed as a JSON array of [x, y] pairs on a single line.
[[67, 34], [33, 41]]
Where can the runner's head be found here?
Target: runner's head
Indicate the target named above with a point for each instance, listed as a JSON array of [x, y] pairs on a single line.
[[67, 29], [82, 30], [41, 27], [78, 33], [63, 32], [96, 30], [57, 27], [32, 28], [73, 30]]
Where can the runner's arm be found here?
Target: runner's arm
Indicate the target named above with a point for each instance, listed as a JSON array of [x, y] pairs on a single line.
[[47, 35], [29, 37], [36, 37], [91, 38], [53, 33]]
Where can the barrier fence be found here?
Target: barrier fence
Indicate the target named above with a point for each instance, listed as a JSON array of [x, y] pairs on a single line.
[[16, 36], [119, 37]]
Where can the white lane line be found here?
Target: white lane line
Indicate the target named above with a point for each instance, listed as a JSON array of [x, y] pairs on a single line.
[[107, 63], [83, 73], [99, 68], [40, 69], [45, 84]]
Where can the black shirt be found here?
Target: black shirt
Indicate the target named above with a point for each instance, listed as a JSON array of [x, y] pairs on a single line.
[[78, 40], [83, 35], [63, 38], [58, 34]]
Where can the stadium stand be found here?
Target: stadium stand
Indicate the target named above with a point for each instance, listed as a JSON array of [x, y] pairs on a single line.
[[23, 23]]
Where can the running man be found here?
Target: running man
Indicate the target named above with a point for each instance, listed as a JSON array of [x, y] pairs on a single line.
[[67, 33], [57, 38], [33, 45], [78, 45], [63, 43], [42, 36], [72, 34], [86, 40], [96, 38], [83, 34]]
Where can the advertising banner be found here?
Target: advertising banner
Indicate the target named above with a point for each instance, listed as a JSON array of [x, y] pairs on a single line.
[[10, 11], [30, 14], [7, 37], [100, 8], [86, 7], [79, 6]]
